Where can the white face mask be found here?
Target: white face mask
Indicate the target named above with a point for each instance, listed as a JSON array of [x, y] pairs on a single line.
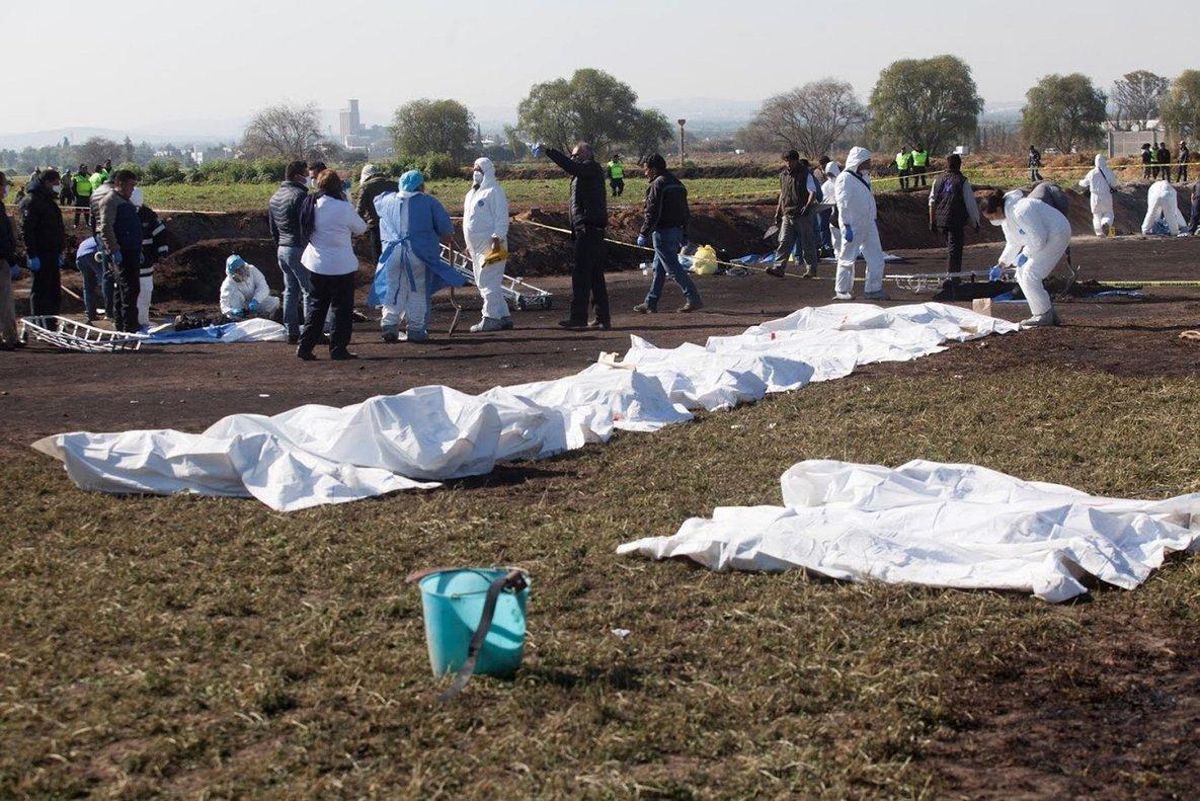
[[998, 222], [56, 189], [477, 177]]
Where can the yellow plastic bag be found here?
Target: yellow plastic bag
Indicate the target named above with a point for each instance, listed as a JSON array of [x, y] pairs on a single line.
[[705, 261]]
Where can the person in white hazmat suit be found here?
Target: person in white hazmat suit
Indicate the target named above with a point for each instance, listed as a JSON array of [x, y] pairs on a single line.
[[1037, 236], [829, 193], [856, 219], [485, 228], [1101, 183], [244, 292], [1163, 204]]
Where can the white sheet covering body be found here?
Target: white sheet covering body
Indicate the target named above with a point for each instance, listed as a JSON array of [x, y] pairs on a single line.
[[318, 454], [941, 525]]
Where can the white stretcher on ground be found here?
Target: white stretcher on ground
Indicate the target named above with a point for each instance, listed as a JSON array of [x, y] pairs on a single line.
[[516, 291], [68, 334]]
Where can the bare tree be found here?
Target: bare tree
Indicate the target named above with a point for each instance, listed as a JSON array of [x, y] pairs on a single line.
[[1138, 96], [811, 119], [283, 131]]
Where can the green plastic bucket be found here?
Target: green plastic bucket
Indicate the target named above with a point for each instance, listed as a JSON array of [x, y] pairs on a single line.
[[453, 604]]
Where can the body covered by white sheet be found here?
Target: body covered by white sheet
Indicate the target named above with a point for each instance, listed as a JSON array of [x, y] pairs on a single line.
[[320, 454], [940, 525]]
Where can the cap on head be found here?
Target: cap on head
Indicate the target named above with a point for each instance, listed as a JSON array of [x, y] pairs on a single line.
[[369, 171], [791, 155], [233, 264], [411, 181]]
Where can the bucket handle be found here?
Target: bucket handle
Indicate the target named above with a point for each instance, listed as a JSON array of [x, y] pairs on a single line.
[[514, 580]]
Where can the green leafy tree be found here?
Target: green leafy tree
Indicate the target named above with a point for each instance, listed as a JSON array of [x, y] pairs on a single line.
[[592, 106], [931, 102], [98, 149], [1065, 112], [650, 132], [1138, 97], [445, 127], [1181, 106]]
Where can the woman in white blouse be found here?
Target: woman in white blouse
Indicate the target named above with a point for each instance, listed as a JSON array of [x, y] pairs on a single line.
[[331, 223]]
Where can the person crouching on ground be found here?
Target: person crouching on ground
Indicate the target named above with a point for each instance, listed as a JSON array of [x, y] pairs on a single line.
[[244, 292], [1037, 237], [485, 230], [413, 226], [1163, 204], [856, 217], [328, 222], [951, 205], [664, 226]]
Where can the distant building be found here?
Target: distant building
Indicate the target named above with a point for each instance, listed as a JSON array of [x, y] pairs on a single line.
[[1129, 143], [349, 125]]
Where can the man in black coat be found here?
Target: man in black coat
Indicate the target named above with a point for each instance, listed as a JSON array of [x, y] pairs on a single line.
[[589, 219], [283, 219], [8, 270], [45, 239], [951, 206], [373, 184], [664, 226]]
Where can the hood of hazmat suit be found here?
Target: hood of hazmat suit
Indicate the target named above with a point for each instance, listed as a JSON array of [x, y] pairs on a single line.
[[485, 210], [855, 202], [236, 295]]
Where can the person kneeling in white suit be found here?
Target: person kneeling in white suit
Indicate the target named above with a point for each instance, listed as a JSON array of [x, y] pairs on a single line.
[[244, 292], [856, 218], [1163, 204], [485, 228], [1037, 236]]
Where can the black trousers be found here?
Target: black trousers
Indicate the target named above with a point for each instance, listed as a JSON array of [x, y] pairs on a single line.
[[618, 187], [954, 247], [1195, 221], [919, 175], [336, 291], [1181, 173], [376, 243], [45, 296], [587, 277], [127, 285]]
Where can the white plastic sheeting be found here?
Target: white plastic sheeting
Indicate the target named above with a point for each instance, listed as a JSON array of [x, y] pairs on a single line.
[[315, 455], [941, 525]]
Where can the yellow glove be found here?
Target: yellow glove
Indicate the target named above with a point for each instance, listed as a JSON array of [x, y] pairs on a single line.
[[497, 253]]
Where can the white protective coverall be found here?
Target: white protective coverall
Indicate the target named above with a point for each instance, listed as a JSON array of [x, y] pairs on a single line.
[[829, 193], [856, 217], [236, 295], [1037, 236], [1100, 183], [485, 215], [1165, 203]]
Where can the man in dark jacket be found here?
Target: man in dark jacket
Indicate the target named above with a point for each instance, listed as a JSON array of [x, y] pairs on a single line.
[[45, 238], [951, 205], [1149, 171], [589, 218], [1164, 162], [8, 270], [119, 236], [155, 246], [1193, 223], [665, 226], [373, 184], [1035, 164], [794, 214], [1185, 155], [283, 218]]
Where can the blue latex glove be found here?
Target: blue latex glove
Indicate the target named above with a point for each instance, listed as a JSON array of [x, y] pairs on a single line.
[[849, 233], [35, 264], [116, 258], [14, 272], [62, 260], [641, 240], [536, 150], [1021, 260], [995, 273], [252, 306]]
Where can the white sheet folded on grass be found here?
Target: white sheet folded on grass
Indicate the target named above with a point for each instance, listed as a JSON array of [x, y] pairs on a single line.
[[940, 525], [315, 455]]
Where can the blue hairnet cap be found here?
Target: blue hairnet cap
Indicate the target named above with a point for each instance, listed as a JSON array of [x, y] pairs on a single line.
[[233, 264], [412, 180]]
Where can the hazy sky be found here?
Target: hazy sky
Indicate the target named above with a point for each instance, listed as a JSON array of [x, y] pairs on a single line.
[[165, 60]]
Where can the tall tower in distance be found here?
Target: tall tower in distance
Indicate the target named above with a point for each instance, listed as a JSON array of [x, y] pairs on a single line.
[[349, 123]]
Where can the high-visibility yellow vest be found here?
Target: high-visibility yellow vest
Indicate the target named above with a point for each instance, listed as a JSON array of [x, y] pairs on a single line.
[[920, 158], [616, 170], [83, 185], [903, 161]]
